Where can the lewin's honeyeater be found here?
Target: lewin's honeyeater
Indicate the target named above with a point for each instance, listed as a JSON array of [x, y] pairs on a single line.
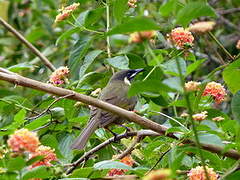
[[114, 93]]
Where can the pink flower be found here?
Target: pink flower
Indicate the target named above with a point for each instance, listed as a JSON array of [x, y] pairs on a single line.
[[48, 156], [218, 118], [216, 90], [23, 140], [199, 174], [181, 37], [65, 12], [57, 77]]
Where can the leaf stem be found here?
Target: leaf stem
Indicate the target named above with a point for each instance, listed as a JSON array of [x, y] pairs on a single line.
[[107, 29], [189, 107], [220, 45]]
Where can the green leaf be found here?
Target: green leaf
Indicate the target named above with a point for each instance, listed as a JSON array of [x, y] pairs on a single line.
[[36, 123], [154, 86], [171, 68], [229, 75], [192, 67], [235, 106], [89, 17], [210, 139], [133, 25], [89, 58], [82, 172], [20, 67], [120, 62], [135, 61], [109, 164], [77, 53], [19, 119], [174, 83], [67, 34], [16, 164], [4, 5], [168, 7], [37, 172], [119, 8], [192, 11]]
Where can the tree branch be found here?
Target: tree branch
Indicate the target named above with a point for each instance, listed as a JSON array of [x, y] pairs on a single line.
[[131, 116], [28, 44], [86, 156]]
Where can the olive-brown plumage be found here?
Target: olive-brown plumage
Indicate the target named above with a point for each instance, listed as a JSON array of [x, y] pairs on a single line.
[[114, 93]]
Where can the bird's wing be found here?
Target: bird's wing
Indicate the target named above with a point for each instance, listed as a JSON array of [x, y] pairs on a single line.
[[112, 96]]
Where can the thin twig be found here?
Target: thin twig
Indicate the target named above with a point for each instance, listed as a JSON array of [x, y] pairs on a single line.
[[159, 160], [130, 148], [28, 44], [107, 142], [48, 108]]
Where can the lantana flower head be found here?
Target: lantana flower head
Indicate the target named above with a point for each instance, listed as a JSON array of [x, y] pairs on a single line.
[[132, 3], [238, 44], [218, 118], [138, 37], [161, 174], [192, 86], [57, 77], [202, 27], [65, 12], [23, 140], [181, 37], [48, 156], [216, 90], [198, 173], [200, 116], [116, 172]]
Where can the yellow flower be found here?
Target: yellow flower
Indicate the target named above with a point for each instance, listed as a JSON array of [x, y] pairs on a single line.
[[132, 3], [138, 37], [57, 77], [218, 118], [202, 27], [65, 12]]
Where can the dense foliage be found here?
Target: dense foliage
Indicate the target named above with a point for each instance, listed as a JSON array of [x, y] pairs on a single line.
[[190, 85]]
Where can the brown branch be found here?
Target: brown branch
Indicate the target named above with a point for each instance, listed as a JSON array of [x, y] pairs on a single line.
[[131, 116], [28, 44], [228, 11], [107, 142]]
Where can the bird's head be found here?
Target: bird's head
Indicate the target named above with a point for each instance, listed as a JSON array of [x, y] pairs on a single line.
[[126, 75]]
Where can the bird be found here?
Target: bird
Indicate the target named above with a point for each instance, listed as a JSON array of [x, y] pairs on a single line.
[[116, 93]]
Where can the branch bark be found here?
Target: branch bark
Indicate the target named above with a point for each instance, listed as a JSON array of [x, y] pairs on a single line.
[[28, 44], [131, 116]]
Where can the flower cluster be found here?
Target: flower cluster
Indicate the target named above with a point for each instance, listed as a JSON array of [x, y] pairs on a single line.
[[161, 174], [23, 140], [198, 173], [192, 86], [202, 27], [238, 44], [117, 172], [200, 116], [181, 38], [216, 90], [138, 37], [65, 12], [132, 3], [48, 155], [57, 77]]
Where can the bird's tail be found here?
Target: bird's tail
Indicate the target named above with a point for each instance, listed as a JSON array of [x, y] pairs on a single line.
[[82, 139]]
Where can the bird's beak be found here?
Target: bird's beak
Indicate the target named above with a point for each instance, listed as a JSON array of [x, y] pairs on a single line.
[[136, 72]]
